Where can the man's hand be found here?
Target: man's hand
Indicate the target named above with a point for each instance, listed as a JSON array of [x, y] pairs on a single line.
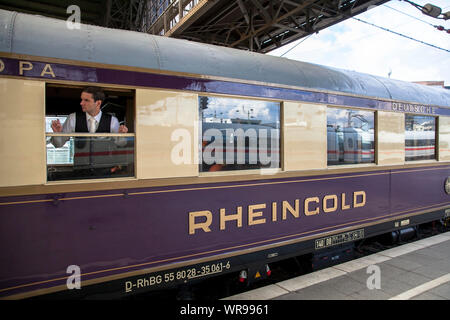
[[56, 126], [123, 129]]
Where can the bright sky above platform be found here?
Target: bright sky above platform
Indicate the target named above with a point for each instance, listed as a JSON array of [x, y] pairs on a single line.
[[354, 45]]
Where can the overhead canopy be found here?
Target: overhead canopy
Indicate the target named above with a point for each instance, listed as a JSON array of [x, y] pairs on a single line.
[[255, 25]]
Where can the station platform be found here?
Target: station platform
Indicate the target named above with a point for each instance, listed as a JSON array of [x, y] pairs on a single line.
[[414, 271]]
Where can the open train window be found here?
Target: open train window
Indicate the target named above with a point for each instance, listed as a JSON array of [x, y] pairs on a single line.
[[238, 134], [73, 152], [350, 136], [420, 137]]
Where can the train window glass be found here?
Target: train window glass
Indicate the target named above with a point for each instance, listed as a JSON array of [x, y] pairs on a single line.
[[238, 134], [74, 155], [350, 136], [63, 154], [420, 137]]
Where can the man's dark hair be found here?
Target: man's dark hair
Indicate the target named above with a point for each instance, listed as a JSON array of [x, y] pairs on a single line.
[[97, 93]]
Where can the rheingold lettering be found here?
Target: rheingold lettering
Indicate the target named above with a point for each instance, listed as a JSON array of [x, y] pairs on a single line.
[[261, 213]]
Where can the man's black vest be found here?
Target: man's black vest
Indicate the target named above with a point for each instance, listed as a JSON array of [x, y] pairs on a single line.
[[103, 127], [81, 126]]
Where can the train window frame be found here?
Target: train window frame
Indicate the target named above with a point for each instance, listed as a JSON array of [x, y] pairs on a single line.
[[344, 164], [242, 171], [436, 139], [71, 93]]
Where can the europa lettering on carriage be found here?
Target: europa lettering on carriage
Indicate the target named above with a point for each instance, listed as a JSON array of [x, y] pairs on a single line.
[[30, 69], [275, 211], [45, 70], [409, 107]]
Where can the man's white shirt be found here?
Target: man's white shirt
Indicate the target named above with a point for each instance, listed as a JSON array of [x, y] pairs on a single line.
[[69, 127]]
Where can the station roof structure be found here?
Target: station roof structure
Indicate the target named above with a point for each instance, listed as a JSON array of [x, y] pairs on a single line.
[[255, 25]]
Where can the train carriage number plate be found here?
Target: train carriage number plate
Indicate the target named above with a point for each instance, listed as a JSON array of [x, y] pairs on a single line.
[[339, 238], [178, 275]]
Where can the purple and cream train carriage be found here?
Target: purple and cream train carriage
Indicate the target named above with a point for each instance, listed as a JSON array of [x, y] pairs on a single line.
[[233, 160]]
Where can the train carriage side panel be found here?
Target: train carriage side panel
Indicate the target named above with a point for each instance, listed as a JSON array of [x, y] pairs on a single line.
[[305, 143], [166, 133], [170, 214], [419, 189], [444, 138], [22, 132], [109, 232], [390, 141]]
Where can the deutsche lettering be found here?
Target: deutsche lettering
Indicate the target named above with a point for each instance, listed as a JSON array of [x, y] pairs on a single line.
[[408, 107]]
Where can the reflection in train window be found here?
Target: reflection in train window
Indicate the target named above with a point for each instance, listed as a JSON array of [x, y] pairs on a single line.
[[238, 134], [63, 154], [92, 158], [350, 136], [420, 137], [82, 155]]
